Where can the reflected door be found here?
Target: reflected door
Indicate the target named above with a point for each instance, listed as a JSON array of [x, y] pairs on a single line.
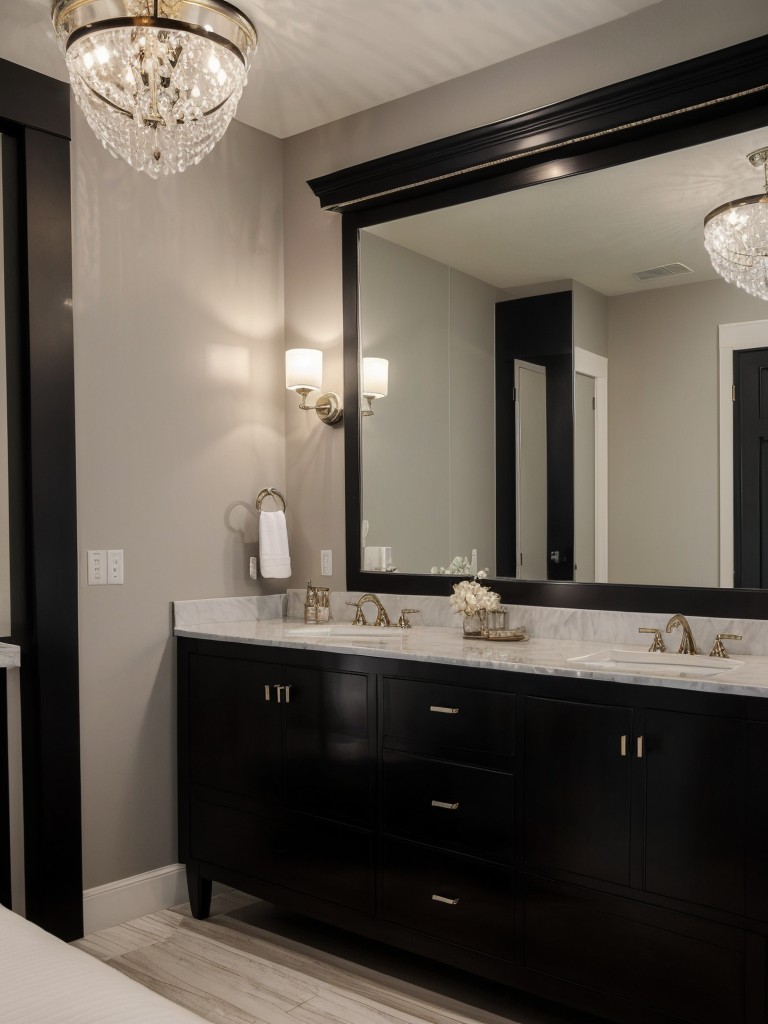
[[531, 467], [750, 433], [584, 479]]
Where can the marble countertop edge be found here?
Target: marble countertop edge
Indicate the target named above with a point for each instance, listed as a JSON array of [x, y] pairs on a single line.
[[447, 646]]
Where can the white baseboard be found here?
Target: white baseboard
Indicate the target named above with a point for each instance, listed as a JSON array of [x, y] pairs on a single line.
[[129, 898]]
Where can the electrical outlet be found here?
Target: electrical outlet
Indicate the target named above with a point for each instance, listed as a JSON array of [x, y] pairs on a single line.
[[326, 563], [115, 565], [97, 568]]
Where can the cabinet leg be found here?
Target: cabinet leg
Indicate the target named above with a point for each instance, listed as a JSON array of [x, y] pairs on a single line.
[[199, 893]]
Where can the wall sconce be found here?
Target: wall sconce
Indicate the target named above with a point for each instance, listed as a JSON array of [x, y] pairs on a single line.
[[375, 381], [304, 374]]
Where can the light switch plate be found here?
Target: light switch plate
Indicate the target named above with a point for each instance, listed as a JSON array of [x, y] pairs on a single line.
[[326, 563], [115, 565], [97, 568]]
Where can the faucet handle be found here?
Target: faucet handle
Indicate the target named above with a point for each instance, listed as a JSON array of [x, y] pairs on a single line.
[[658, 640], [718, 648], [403, 621], [359, 619]]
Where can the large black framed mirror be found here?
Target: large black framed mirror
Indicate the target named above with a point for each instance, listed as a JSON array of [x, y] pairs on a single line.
[[392, 201]]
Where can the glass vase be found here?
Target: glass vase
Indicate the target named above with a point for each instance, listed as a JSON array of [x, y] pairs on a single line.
[[473, 624]]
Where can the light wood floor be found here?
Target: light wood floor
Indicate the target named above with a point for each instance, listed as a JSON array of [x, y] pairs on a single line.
[[250, 962]]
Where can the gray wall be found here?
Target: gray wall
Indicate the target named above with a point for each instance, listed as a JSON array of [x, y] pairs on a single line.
[[179, 411], [436, 327], [590, 320], [668, 32], [663, 466]]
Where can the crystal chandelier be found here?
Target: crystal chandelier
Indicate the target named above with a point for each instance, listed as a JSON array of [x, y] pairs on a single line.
[[736, 237], [158, 80]]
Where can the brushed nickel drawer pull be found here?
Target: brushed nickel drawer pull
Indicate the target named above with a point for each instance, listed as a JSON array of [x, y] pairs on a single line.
[[279, 691], [623, 746], [639, 746], [288, 694], [445, 806], [443, 711], [267, 689], [445, 899]]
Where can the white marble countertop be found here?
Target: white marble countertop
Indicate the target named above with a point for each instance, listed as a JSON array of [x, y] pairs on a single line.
[[446, 646], [10, 656]]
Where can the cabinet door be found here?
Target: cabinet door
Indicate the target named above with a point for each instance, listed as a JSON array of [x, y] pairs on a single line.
[[651, 960], [329, 762], [234, 731], [695, 838], [577, 788], [757, 822]]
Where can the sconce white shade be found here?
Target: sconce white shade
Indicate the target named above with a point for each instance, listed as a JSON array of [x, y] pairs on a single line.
[[303, 369], [375, 377]]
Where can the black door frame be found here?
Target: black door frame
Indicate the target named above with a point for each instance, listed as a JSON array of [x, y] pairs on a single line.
[[37, 244], [750, 557]]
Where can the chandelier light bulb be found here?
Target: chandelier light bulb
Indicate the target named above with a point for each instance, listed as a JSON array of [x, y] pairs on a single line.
[[158, 80], [736, 237]]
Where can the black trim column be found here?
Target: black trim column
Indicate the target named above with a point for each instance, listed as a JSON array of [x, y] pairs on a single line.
[[37, 243], [50, 690]]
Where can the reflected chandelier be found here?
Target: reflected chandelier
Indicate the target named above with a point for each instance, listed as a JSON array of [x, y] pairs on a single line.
[[158, 80], [736, 237]]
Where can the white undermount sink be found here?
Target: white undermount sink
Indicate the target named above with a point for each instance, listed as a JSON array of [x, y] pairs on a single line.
[[341, 629], [701, 664]]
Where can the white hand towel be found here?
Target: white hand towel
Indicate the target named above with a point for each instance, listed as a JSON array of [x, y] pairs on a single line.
[[274, 558]]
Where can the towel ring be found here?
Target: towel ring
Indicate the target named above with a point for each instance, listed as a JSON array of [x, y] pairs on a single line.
[[269, 492]]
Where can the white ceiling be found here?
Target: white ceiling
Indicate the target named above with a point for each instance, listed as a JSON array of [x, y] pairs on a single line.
[[319, 60], [595, 228]]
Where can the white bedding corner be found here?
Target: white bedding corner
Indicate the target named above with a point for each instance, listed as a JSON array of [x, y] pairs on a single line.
[[45, 981]]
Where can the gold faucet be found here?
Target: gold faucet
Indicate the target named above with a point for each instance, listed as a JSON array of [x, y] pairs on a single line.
[[687, 643], [382, 619]]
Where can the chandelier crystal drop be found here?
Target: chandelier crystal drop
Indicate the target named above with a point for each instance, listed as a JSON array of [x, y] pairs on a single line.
[[158, 80], [736, 237]]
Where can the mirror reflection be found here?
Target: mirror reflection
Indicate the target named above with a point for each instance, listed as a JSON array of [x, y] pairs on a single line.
[[478, 453]]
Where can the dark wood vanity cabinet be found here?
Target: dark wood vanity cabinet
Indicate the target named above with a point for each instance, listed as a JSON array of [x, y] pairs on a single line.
[[656, 801], [277, 772], [603, 845], [578, 811], [447, 819], [636, 855]]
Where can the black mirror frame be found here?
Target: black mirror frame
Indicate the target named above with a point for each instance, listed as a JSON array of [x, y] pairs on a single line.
[[710, 97]]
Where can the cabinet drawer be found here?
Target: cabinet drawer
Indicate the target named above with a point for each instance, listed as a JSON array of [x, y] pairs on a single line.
[[474, 904], [320, 858], [449, 805], [671, 963], [453, 722]]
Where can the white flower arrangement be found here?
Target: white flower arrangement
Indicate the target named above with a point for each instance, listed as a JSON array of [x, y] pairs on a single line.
[[470, 597], [460, 566]]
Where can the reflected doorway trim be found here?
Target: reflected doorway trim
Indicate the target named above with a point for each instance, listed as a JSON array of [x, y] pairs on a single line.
[[731, 338], [592, 365], [526, 475]]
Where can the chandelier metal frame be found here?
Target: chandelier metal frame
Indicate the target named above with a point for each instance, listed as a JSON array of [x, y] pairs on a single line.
[[738, 260], [158, 80]]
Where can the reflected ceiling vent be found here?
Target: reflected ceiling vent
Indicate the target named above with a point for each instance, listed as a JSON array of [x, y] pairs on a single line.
[[655, 273]]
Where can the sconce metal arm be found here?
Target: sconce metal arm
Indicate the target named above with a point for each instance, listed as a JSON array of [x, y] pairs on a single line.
[[328, 406]]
